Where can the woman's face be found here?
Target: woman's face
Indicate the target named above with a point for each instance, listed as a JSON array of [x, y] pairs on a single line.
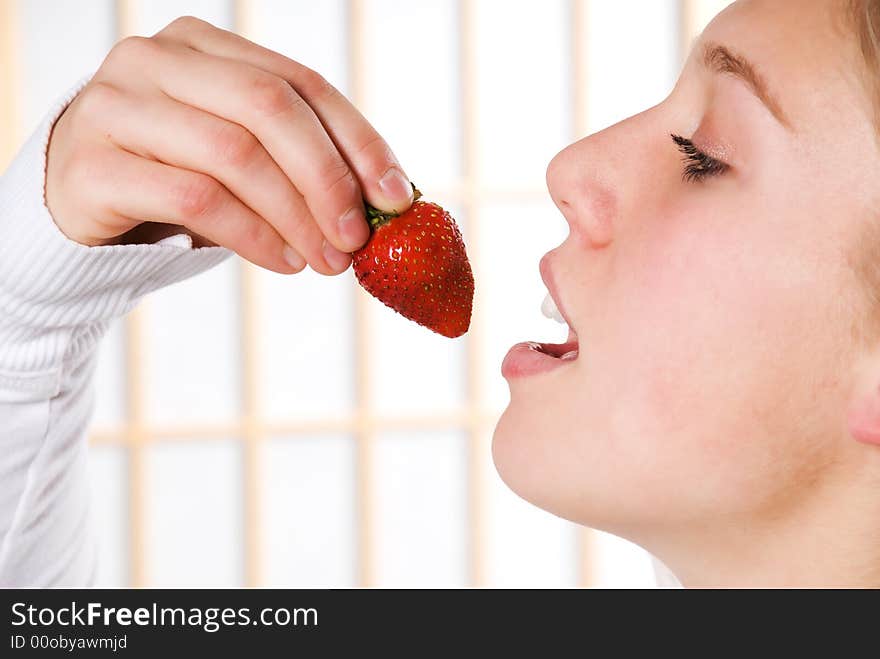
[[716, 317]]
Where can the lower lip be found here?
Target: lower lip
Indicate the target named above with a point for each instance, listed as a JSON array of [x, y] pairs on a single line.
[[525, 359]]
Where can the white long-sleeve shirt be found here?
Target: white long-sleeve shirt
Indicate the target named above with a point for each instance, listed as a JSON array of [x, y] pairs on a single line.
[[57, 298]]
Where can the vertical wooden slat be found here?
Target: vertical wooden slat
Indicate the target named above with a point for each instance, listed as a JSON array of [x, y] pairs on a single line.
[[251, 427], [470, 202], [251, 422], [242, 22], [9, 82], [126, 18], [689, 27], [579, 128], [135, 431], [579, 64], [365, 432], [136, 439]]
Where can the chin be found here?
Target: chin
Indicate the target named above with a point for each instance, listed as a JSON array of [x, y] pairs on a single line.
[[510, 451], [531, 455], [568, 468]]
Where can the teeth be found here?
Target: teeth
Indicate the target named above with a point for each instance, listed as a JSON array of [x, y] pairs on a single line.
[[548, 308]]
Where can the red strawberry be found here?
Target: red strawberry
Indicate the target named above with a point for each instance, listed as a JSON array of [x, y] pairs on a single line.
[[416, 264]]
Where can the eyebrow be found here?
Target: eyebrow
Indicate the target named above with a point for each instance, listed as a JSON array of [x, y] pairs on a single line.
[[720, 59]]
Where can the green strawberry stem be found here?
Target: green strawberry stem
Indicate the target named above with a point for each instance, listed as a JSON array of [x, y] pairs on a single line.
[[377, 218]]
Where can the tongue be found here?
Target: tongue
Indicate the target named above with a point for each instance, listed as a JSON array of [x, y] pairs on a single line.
[[567, 351]]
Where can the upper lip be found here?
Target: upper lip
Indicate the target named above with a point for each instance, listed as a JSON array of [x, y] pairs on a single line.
[[546, 268]]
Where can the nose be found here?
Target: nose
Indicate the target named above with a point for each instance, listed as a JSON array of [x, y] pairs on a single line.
[[583, 194]]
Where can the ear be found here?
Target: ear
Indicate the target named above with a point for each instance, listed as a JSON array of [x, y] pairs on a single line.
[[863, 418]]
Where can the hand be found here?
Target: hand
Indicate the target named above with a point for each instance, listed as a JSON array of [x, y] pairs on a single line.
[[198, 129]]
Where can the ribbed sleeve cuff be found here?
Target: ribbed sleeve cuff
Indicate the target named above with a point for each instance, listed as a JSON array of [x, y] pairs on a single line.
[[56, 295]]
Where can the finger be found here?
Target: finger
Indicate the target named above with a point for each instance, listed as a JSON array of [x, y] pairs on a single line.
[[383, 181], [283, 122], [178, 196], [162, 129]]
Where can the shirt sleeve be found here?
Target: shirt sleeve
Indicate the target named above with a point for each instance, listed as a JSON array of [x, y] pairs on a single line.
[[57, 298]]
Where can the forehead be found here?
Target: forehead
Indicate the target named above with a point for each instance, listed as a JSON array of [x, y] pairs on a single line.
[[806, 51]]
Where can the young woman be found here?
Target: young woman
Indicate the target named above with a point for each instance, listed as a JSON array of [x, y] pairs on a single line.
[[718, 402]]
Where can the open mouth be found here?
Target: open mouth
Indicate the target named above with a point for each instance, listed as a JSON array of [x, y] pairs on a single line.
[[531, 357], [567, 351]]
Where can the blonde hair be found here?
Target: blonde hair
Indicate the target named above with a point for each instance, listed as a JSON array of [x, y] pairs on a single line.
[[865, 15]]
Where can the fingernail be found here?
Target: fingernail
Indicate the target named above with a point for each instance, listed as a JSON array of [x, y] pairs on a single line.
[[395, 186], [338, 261], [353, 229], [293, 258]]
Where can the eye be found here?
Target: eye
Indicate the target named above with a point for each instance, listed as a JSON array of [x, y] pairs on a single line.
[[698, 165]]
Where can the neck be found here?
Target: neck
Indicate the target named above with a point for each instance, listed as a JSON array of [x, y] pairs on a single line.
[[757, 565], [830, 543]]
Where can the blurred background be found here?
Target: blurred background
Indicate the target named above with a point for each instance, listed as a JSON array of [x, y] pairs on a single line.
[[261, 430]]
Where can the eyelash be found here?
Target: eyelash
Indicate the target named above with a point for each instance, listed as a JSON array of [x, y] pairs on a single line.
[[698, 165]]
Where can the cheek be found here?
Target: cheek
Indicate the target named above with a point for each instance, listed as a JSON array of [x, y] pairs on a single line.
[[725, 346], [708, 382]]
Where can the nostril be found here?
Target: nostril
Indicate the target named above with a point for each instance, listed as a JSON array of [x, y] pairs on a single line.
[[590, 219], [600, 233], [584, 194], [600, 212]]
